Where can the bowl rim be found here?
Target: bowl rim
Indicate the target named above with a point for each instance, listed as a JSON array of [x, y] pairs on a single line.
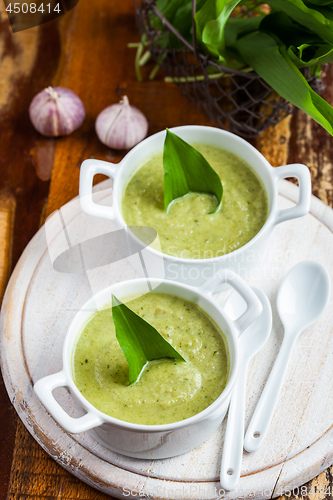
[[73, 334]]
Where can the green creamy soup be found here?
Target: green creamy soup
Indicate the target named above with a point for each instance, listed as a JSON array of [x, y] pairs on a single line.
[[188, 230], [168, 390]]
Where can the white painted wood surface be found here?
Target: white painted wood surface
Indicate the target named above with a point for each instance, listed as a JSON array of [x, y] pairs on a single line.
[[40, 303]]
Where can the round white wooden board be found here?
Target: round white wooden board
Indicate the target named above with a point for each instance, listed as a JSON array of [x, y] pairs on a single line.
[[40, 303]]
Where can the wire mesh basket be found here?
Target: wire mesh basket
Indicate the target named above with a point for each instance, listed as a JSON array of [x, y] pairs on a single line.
[[238, 101]]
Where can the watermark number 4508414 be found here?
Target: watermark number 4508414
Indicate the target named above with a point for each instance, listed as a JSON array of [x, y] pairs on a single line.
[[27, 14]]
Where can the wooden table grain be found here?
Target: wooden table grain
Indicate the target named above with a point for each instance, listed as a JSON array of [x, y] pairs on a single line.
[[87, 50]]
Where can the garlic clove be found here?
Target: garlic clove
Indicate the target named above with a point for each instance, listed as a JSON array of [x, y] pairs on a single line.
[[56, 111], [121, 126]]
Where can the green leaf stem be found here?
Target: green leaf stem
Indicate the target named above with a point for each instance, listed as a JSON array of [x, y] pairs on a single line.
[[139, 341], [186, 170], [210, 23]]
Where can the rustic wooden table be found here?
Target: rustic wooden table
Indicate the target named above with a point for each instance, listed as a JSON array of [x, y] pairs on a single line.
[[86, 50]]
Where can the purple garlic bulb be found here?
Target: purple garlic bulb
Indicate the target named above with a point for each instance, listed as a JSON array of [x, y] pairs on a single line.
[[121, 126], [56, 111]]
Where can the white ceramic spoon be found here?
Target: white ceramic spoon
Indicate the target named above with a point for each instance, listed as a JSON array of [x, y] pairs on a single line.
[[301, 299], [252, 339]]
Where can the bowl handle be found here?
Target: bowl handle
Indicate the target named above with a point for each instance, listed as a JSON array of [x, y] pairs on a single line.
[[43, 389], [253, 304], [88, 170], [302, 174]]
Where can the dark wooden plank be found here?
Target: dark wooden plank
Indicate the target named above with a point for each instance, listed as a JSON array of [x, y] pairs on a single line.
[[21, 56], [36, 475], [312, 145], [7, 412], [28, 62]]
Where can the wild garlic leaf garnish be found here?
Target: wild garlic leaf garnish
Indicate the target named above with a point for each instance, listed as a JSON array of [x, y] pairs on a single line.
[[139, 341]]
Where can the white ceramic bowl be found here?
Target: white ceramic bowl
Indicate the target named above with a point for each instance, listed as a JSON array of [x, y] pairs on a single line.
[[195, 271], [151, 441]]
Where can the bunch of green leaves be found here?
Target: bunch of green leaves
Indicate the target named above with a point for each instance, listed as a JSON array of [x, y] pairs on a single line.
[[275, 42]]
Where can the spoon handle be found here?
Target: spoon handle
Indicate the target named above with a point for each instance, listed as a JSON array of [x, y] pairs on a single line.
[[233, 442], [265, 408]]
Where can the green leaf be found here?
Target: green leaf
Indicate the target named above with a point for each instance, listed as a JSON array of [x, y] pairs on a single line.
[[304, 47], [186, 170], [169, 10], [182, 20], [210, 23], [325, 10], [179, 14], [234, 29], [139, 341], [272, 63], [287, 30], [319, 2], [238, 27], [312, 19]]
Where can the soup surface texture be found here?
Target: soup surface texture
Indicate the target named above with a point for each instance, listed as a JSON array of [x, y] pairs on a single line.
[[188, 230], [168, 390]]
